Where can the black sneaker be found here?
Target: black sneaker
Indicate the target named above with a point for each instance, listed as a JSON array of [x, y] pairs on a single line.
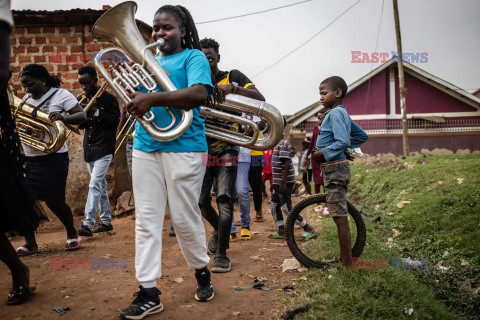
[[204, 285], [84, 231], [102, 227], [212, 243], [142, 306], [221, 263]]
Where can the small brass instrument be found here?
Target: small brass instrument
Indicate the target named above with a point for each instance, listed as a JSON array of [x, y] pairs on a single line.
[[94, 98]]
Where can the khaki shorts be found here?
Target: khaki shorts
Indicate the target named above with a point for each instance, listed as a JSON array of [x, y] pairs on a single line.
[[336, 177]]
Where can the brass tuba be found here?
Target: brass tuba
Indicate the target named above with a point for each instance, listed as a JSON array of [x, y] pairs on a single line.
[[229, 109], [35, 132], [118, 26]]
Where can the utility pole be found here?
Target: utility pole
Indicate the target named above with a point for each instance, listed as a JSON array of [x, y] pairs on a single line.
[[401, 81]]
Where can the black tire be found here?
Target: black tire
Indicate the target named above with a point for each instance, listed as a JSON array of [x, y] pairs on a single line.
[[361, 232]]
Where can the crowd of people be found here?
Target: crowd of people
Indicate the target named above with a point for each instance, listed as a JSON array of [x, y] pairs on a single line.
[[166, 173]]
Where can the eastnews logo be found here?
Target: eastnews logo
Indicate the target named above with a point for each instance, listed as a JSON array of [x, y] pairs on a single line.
[[382, 57], [209, 160], [65, 57], [392, 263], [92, 263]]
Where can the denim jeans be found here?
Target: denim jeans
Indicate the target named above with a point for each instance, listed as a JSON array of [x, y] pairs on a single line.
[[225, 174], [283, 201], [97, 192], [243, 195], [129, 145]]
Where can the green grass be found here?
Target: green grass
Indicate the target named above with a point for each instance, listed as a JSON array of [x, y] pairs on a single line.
[[441, 217]]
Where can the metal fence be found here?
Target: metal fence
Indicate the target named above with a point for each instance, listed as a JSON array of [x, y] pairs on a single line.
[[415, 126]]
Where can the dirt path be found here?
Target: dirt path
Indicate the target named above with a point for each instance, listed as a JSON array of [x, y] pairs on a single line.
[[94, 293]]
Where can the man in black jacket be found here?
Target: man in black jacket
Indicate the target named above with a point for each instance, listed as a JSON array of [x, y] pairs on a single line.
[[98, 148]]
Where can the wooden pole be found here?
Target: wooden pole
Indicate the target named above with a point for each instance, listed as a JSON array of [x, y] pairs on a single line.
[[401, 81]]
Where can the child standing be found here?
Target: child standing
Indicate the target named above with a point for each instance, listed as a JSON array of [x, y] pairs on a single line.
[[267, 171], [316, 170], [306, 167], [337, 133], [170, 172], [283, 183], [295, 160]]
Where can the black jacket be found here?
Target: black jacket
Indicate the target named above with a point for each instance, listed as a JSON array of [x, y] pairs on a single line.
[[100, 131]]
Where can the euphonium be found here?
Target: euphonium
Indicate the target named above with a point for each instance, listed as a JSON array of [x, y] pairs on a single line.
[[229, 109], [118, 25], [35, 132]]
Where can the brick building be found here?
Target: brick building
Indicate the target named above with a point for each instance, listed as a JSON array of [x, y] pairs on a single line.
[[62, 41]]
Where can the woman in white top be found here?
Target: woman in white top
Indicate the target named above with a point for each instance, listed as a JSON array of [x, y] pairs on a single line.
[[47, 176]]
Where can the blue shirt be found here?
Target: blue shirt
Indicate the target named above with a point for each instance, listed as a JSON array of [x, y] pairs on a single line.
[[335, 132], [185, 69]]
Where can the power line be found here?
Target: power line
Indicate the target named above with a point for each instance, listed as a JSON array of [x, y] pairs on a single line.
[[310, 39], [253, 13], [376, 45]]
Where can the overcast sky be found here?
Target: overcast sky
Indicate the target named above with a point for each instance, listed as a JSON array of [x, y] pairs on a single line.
[[449, 31]]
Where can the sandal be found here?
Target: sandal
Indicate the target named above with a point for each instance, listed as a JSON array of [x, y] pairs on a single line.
[[275, 235], [221, 264], [19, 295], [308, 236], [245, 234], [25, 251], [75, 242]]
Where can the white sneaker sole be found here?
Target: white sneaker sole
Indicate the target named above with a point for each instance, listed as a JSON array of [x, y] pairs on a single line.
[[198, 299], [221, 270], [146, 313]]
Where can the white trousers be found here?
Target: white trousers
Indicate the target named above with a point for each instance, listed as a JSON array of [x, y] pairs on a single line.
[[161, 178]]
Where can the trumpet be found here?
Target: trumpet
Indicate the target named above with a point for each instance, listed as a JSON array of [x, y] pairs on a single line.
[[94, 98], [35, 132], [74, 128], [126, 131]]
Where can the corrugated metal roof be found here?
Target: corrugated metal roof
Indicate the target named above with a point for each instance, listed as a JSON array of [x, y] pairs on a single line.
[[61, 18]]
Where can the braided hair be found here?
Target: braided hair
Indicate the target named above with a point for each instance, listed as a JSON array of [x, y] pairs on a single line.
[[191, 39], [185, 20], [39, 72]]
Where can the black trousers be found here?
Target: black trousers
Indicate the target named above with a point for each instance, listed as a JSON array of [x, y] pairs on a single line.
[[225, 173], [255, 180]]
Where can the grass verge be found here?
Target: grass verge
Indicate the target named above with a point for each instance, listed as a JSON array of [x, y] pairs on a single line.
[[439, 221]]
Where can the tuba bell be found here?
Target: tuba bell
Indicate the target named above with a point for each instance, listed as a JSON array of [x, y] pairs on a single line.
[[118, 25], [35, 132], [260, 140]]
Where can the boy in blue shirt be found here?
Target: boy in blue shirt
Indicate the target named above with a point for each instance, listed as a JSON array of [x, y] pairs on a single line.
[[337, 133]]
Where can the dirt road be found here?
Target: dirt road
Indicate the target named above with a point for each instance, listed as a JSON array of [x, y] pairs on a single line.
[[96, 291]]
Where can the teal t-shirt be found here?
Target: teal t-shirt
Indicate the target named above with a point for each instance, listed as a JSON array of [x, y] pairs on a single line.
[[185, 69]]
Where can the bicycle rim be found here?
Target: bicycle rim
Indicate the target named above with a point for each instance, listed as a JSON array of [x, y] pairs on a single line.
[[322, 251]]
